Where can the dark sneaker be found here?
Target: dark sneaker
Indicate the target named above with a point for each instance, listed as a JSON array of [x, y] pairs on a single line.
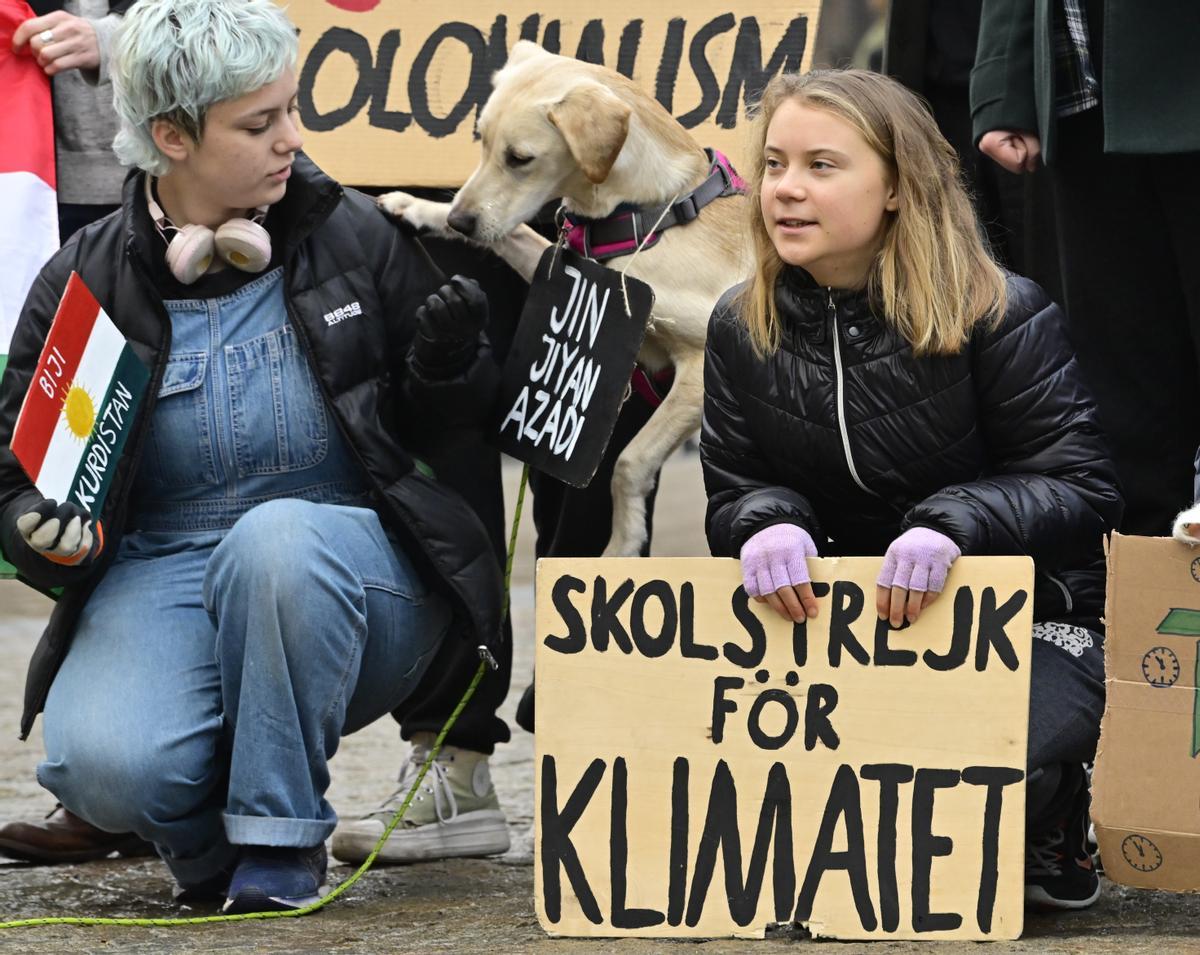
[[275, 878], [1059, 872]]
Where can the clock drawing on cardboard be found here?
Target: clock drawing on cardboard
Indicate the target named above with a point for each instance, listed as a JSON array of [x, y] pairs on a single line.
[[1160, 666], [1141, 853], [1196, 569]]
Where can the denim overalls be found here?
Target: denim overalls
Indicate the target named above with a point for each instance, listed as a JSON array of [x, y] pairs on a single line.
[[255, 612]]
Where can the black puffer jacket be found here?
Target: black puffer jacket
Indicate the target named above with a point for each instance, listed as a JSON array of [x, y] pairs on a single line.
[[336, 248], [847, 434]]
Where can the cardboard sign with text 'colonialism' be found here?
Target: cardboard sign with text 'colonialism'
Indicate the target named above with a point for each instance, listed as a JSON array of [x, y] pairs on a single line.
[[390, 92], [568, 369], [705, 768]]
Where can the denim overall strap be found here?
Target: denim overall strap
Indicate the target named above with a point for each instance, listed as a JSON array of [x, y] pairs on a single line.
[[240, 418]]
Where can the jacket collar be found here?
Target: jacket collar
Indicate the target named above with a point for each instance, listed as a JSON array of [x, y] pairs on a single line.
[[805, 305]]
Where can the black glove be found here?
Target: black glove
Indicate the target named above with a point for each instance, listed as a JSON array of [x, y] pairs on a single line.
[[61, 532], [457, 312], [449, 323]]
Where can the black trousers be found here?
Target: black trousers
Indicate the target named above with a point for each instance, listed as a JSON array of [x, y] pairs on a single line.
[[1066, 701], [1130, 253], [577, 522]]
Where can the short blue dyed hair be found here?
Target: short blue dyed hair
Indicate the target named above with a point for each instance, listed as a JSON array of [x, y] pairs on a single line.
[[173, 59]]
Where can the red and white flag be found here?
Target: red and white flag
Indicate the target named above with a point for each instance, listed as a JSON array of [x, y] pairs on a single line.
[[28, 212], [81, 404]]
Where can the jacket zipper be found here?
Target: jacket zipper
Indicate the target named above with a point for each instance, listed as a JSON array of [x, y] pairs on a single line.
[[841, 396]]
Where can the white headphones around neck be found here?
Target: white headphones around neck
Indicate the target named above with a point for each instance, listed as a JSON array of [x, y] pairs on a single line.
[[242, 243]]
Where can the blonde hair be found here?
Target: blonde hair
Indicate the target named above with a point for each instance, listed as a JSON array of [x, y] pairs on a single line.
[[933, 277]]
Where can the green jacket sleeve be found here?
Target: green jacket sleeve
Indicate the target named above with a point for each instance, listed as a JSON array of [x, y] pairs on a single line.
[[1002, 81]]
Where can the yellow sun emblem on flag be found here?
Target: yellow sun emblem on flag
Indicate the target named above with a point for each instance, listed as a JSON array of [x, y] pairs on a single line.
[[79, 411]]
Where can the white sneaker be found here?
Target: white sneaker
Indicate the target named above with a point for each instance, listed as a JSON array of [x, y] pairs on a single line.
[[454, 813]]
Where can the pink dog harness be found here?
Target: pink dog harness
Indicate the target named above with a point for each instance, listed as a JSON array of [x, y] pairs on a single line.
[[623, 231]]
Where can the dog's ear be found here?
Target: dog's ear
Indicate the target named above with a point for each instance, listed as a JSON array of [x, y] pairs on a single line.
[[594, 122]]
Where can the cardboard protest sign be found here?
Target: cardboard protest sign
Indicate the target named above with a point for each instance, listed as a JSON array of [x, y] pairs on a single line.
[[568, 369], [705, 768], [1146, 784], [81, 404], [390, 92]]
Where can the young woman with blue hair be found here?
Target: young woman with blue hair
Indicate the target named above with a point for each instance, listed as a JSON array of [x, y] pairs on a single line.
[[271, 568]]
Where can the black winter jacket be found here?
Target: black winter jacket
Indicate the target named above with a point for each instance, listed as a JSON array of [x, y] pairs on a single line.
[[336, 248], [844, 432]]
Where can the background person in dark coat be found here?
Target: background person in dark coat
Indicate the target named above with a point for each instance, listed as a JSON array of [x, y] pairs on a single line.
[[930, 48], [1107, 95], [857, 403]]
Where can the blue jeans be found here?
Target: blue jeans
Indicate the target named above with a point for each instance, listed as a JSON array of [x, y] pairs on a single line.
[[212, 675]]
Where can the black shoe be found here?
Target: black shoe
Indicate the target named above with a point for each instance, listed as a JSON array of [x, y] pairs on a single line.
[[275, 878], [1059, 872]]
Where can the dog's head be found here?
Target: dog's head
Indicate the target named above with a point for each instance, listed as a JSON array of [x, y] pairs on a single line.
[[550, 129]]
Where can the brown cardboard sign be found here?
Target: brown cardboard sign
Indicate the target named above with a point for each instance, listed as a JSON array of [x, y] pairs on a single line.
[[1146, 785], [389, 92], [705, 768]]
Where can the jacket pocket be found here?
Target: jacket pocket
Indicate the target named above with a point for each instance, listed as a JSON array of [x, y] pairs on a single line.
[[180, 445], [276, 409]]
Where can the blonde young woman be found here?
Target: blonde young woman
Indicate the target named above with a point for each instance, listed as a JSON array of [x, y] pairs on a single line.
[[881, 386]]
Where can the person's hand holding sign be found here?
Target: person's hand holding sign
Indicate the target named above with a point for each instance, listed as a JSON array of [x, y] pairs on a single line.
[[775, 570], [60, 42], [61, 533], [914, 573]]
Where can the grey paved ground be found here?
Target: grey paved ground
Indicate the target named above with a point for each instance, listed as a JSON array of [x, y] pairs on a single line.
[[461, 906]]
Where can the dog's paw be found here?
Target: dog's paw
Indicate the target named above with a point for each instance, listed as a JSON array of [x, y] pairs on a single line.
[[421, 214], [396, 203], [1187, 526], [617, 547]]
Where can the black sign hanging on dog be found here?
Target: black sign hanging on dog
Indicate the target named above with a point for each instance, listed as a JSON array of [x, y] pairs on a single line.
[[568, 370]]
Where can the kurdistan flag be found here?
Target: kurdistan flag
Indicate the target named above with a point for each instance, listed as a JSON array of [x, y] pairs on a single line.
[[28, 214], [81, 404]]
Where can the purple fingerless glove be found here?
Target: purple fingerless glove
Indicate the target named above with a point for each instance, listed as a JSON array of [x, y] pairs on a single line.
[[775, 557], [919, 559]]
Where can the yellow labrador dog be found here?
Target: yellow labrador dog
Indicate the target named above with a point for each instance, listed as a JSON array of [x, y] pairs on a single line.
[[557, 128]]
